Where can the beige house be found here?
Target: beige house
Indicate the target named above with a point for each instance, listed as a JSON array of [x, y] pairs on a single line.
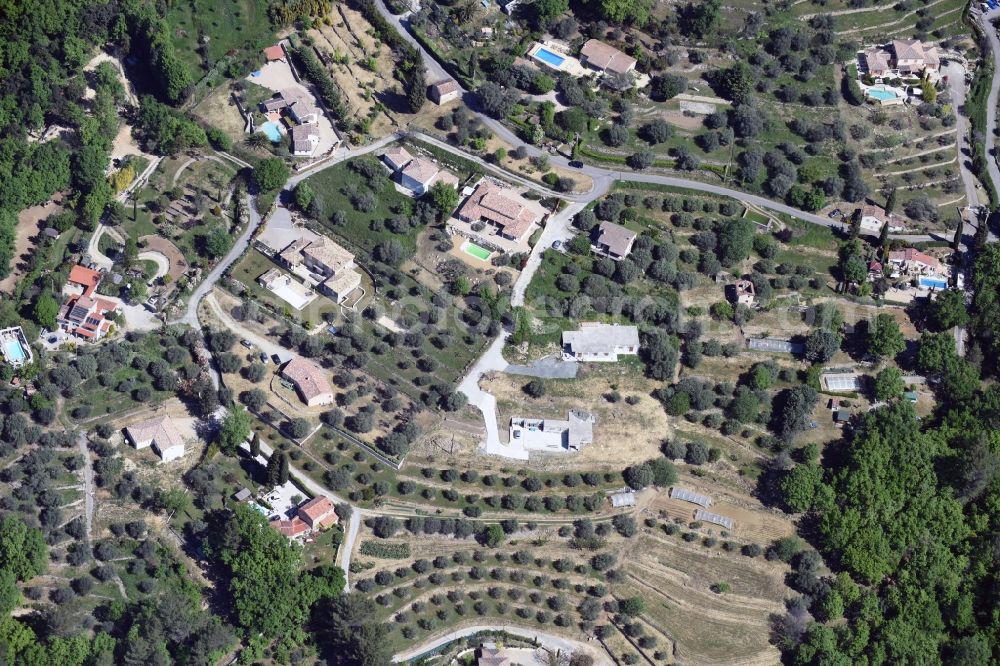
[[614, 240], [161, 434], [913, 56], [309, 380], [324, 262], [500, 208], [396, 158], [606, 58]]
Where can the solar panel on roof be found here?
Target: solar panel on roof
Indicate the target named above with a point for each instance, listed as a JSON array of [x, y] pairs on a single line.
[[715, 518]]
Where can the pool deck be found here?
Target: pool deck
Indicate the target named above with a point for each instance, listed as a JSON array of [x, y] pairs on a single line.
[[480, 253], [569, 64], [15, 335]]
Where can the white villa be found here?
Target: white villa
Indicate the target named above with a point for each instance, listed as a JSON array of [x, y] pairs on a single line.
[[600, 342], [554, 435], [416, 174]]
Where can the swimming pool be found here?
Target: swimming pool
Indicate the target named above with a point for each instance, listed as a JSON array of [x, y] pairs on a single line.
[[548, 57], [881, 94], [272, 130], [15, 352], [476, 251], [933, 282]]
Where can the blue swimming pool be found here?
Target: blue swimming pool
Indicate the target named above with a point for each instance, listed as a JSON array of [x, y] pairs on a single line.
[[549, 58], [881, 94], [272, 130], [15, 352], [933, 282]]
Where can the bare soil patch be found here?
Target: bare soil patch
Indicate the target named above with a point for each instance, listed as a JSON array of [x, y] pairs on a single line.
[[623, 434], [29, 226]]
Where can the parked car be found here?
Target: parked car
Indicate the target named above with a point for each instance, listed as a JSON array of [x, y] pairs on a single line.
[[246, 343], [835, 213], [332, 330], [576, 164], [275, 358], [556, 244], [263, 358]]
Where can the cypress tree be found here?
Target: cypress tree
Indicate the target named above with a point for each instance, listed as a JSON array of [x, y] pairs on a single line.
[[283, 469], [272, 470], [255, 445]]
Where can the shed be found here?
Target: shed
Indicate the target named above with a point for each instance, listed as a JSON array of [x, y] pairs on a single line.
[[841, 417], [242, 495], [910, 396]]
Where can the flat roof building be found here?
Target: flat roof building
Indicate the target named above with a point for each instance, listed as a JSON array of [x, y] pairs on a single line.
[[554, 435]]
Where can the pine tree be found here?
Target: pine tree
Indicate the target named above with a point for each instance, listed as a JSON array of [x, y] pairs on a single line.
[[283, 469], [255, 445]]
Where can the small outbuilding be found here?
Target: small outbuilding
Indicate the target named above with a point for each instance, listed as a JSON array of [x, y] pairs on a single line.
[[444, 91]]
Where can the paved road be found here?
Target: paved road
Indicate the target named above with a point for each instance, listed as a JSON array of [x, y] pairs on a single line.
[[546, 368], [603, 178], [190, 316], [956, 84], [991, 100], [549, 641], [558, 228], [491, 360]]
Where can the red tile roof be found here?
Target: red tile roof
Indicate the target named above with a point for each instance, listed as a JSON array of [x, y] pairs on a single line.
[[274, 52], [492, 203], [318, 512], [308, 377], [290, 528], [86, 278]]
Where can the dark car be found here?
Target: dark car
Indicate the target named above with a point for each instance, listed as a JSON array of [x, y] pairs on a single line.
[[276, 358], [576, 164], [263, 357]]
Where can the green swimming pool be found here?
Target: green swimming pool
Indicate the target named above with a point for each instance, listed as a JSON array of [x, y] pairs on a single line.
[[476, 251]]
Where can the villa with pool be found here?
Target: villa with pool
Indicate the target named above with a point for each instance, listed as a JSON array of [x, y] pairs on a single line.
[[886, 72], [495, 218], [554, 55]]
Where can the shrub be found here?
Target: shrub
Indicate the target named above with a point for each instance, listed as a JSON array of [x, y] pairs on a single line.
[[392, 551]]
